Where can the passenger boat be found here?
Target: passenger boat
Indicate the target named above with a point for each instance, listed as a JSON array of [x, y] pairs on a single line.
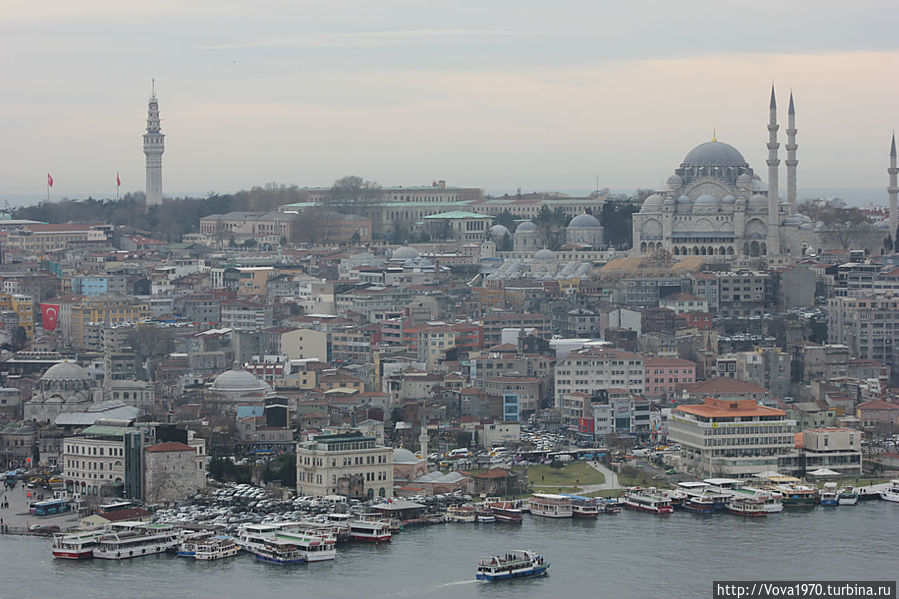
[[134, 539], [551, 506], [280, 551], [891, 493], [484, 516], [252, 537], [461, 513], [647, 500], [745, 506], [771, 500], [700, 504], [189, 542], [313, 548], [583, 507], [609, 505], [797, 495], [504, 511], [369, 532], [515, 564], [215, 548], [848, 496], [76, 546], [829, 495]]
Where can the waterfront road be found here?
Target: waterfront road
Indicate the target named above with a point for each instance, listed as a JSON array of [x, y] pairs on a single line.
[[18, 519], [610, 483]]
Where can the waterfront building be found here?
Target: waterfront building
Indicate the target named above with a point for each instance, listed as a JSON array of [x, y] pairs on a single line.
[[734, 438], [94, 461], [837, 449], [348, 464]]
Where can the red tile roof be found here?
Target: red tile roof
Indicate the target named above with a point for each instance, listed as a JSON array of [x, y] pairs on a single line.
[[169, 446]]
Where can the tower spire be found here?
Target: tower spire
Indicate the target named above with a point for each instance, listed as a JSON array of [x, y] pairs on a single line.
[[893, 190], [773, 164], [154, 146], [791, 161]]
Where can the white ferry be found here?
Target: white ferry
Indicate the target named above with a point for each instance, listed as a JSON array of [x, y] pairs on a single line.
[[583, 507], [216, 548], [771, 500], [251, 537], [745, 506], [551, 506], [461, 513], [280, 551], [891, 493], [515, 564], [76, 546], [125, 540], [848, 496], [370, 532], [190, 540], [647, 500], [313, 548]]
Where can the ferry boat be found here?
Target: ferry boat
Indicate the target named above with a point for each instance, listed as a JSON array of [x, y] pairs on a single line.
[[848, 496], [370, 532], [461, 513], [797, 495], [215, 548], [280, 551], [515, 564], [313, 548], [702, 503], [485, 517], [647, 500], [745, 506], [609, 505], [76, 546], [829, 495], [771, 500], [551, 506], [189, 542], [251, 537], [583, 507], [891, 493], [504, 511], [134, 539]]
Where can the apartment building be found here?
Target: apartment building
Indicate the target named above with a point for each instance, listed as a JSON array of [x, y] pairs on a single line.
[[867, 325], [591, 369]]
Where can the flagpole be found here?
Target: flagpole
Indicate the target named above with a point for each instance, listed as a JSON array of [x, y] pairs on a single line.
[[117, 186], [48, 186]]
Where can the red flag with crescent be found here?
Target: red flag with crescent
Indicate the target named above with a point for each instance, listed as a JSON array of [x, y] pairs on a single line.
[[49, 180], [49, 316]]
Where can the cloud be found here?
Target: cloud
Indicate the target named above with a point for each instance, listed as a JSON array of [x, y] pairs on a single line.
[[364, 38]]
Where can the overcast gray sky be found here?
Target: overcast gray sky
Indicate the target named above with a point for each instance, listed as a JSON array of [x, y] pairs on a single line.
[[496, 94]]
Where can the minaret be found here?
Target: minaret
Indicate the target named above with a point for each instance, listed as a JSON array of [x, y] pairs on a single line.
[[154, 146], [791, 161], [773, 163], [893, 190], [423, 439]]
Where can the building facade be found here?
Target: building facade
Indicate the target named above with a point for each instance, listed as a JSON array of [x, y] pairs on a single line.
[[348, 464]]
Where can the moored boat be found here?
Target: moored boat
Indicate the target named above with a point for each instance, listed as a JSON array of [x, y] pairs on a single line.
[[190, 540], [583, 507], [484, 516], [504, 511], [125, 540], [313, 548], [647, 500], [461, 513], [549, 505], [848, 496], [280, 551], [830, 496], [77, 545], [515, 564], [370, 532], [608, 505], [745, 506], [700, 504], [214, 548], [797, 496], [891, 493]]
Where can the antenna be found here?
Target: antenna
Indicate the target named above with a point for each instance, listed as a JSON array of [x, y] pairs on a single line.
[[153, 86]]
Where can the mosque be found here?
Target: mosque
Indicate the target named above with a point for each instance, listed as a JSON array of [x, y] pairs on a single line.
[[716, 205]]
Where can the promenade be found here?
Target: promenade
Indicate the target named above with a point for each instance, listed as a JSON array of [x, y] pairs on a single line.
[[17, 518]]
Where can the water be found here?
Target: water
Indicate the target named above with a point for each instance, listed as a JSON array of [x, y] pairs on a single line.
[[622, 555]]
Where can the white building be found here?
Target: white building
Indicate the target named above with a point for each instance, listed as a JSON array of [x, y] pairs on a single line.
[[591, 369], [348, 464]]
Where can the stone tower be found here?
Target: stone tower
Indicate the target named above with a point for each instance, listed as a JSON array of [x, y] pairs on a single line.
[[893, 190], [791, 161], [154, 146], [773, 164], [423, 440]]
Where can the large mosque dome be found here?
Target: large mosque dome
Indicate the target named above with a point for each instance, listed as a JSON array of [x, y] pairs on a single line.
[[65, 371], [238, 380], [584, 220], [714, 153]]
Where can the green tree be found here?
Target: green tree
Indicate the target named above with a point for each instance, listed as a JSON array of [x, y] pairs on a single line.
[[505, 219], [551, 226], [617, 222]]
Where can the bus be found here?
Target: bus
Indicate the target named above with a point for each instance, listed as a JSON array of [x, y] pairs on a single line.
[[52, 506]]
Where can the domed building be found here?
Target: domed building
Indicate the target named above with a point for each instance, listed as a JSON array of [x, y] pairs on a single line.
[[585, 229], [408, 466], [64, 387], [527, 237], [237, 386], [715, 205]]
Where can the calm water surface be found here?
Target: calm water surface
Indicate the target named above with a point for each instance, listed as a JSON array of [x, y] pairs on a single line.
[[623, 555]]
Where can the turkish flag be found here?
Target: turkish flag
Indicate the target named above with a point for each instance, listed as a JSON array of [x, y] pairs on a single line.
[[49, 316], [118, 181], [49, 180]]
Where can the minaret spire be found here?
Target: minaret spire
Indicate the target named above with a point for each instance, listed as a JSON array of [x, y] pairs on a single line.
[[893, 190], [791, 161], [154, 146], [773, 164]]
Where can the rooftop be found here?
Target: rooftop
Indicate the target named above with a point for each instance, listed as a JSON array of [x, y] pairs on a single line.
[[724, 408]]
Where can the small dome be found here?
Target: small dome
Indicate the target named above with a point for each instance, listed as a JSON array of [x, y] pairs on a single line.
[[405, 253], [714, 153], [792, 221], [675, 180], [728, 199], [526, 227], [238, 379], [584, 220], [758, 200], [404, 456], [806, 227], [684, 200], [499, 231], [653, 201], [668, 201], [706, 200], [545, 254], [66, 371]]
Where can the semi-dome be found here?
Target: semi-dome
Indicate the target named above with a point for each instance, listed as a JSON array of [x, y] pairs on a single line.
[[585, 220], [806, 226], [405, 253], [65, 371], [792, 220], [684, 200], [499, 231], [238, 379], [714, 153], [545, 254], [526, 227], [404, 456], [706, 200], [728, 199]]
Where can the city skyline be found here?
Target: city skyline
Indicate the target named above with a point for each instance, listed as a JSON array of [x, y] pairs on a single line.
[[531, 97]]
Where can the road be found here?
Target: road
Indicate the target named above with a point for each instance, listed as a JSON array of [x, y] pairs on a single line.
[[610, 483], [18, 519]]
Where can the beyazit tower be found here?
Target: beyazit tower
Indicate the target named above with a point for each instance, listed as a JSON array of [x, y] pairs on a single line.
[[154, 146]]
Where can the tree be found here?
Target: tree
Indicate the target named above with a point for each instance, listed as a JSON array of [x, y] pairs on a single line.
[[551, 226], [352, 194], [841, 224], [617, 219], [309, 226], [505, 219], [463, 439], [151, 343], [249, 243], [19, 338]]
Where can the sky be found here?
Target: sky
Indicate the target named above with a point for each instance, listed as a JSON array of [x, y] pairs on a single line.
[[497, 94]]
